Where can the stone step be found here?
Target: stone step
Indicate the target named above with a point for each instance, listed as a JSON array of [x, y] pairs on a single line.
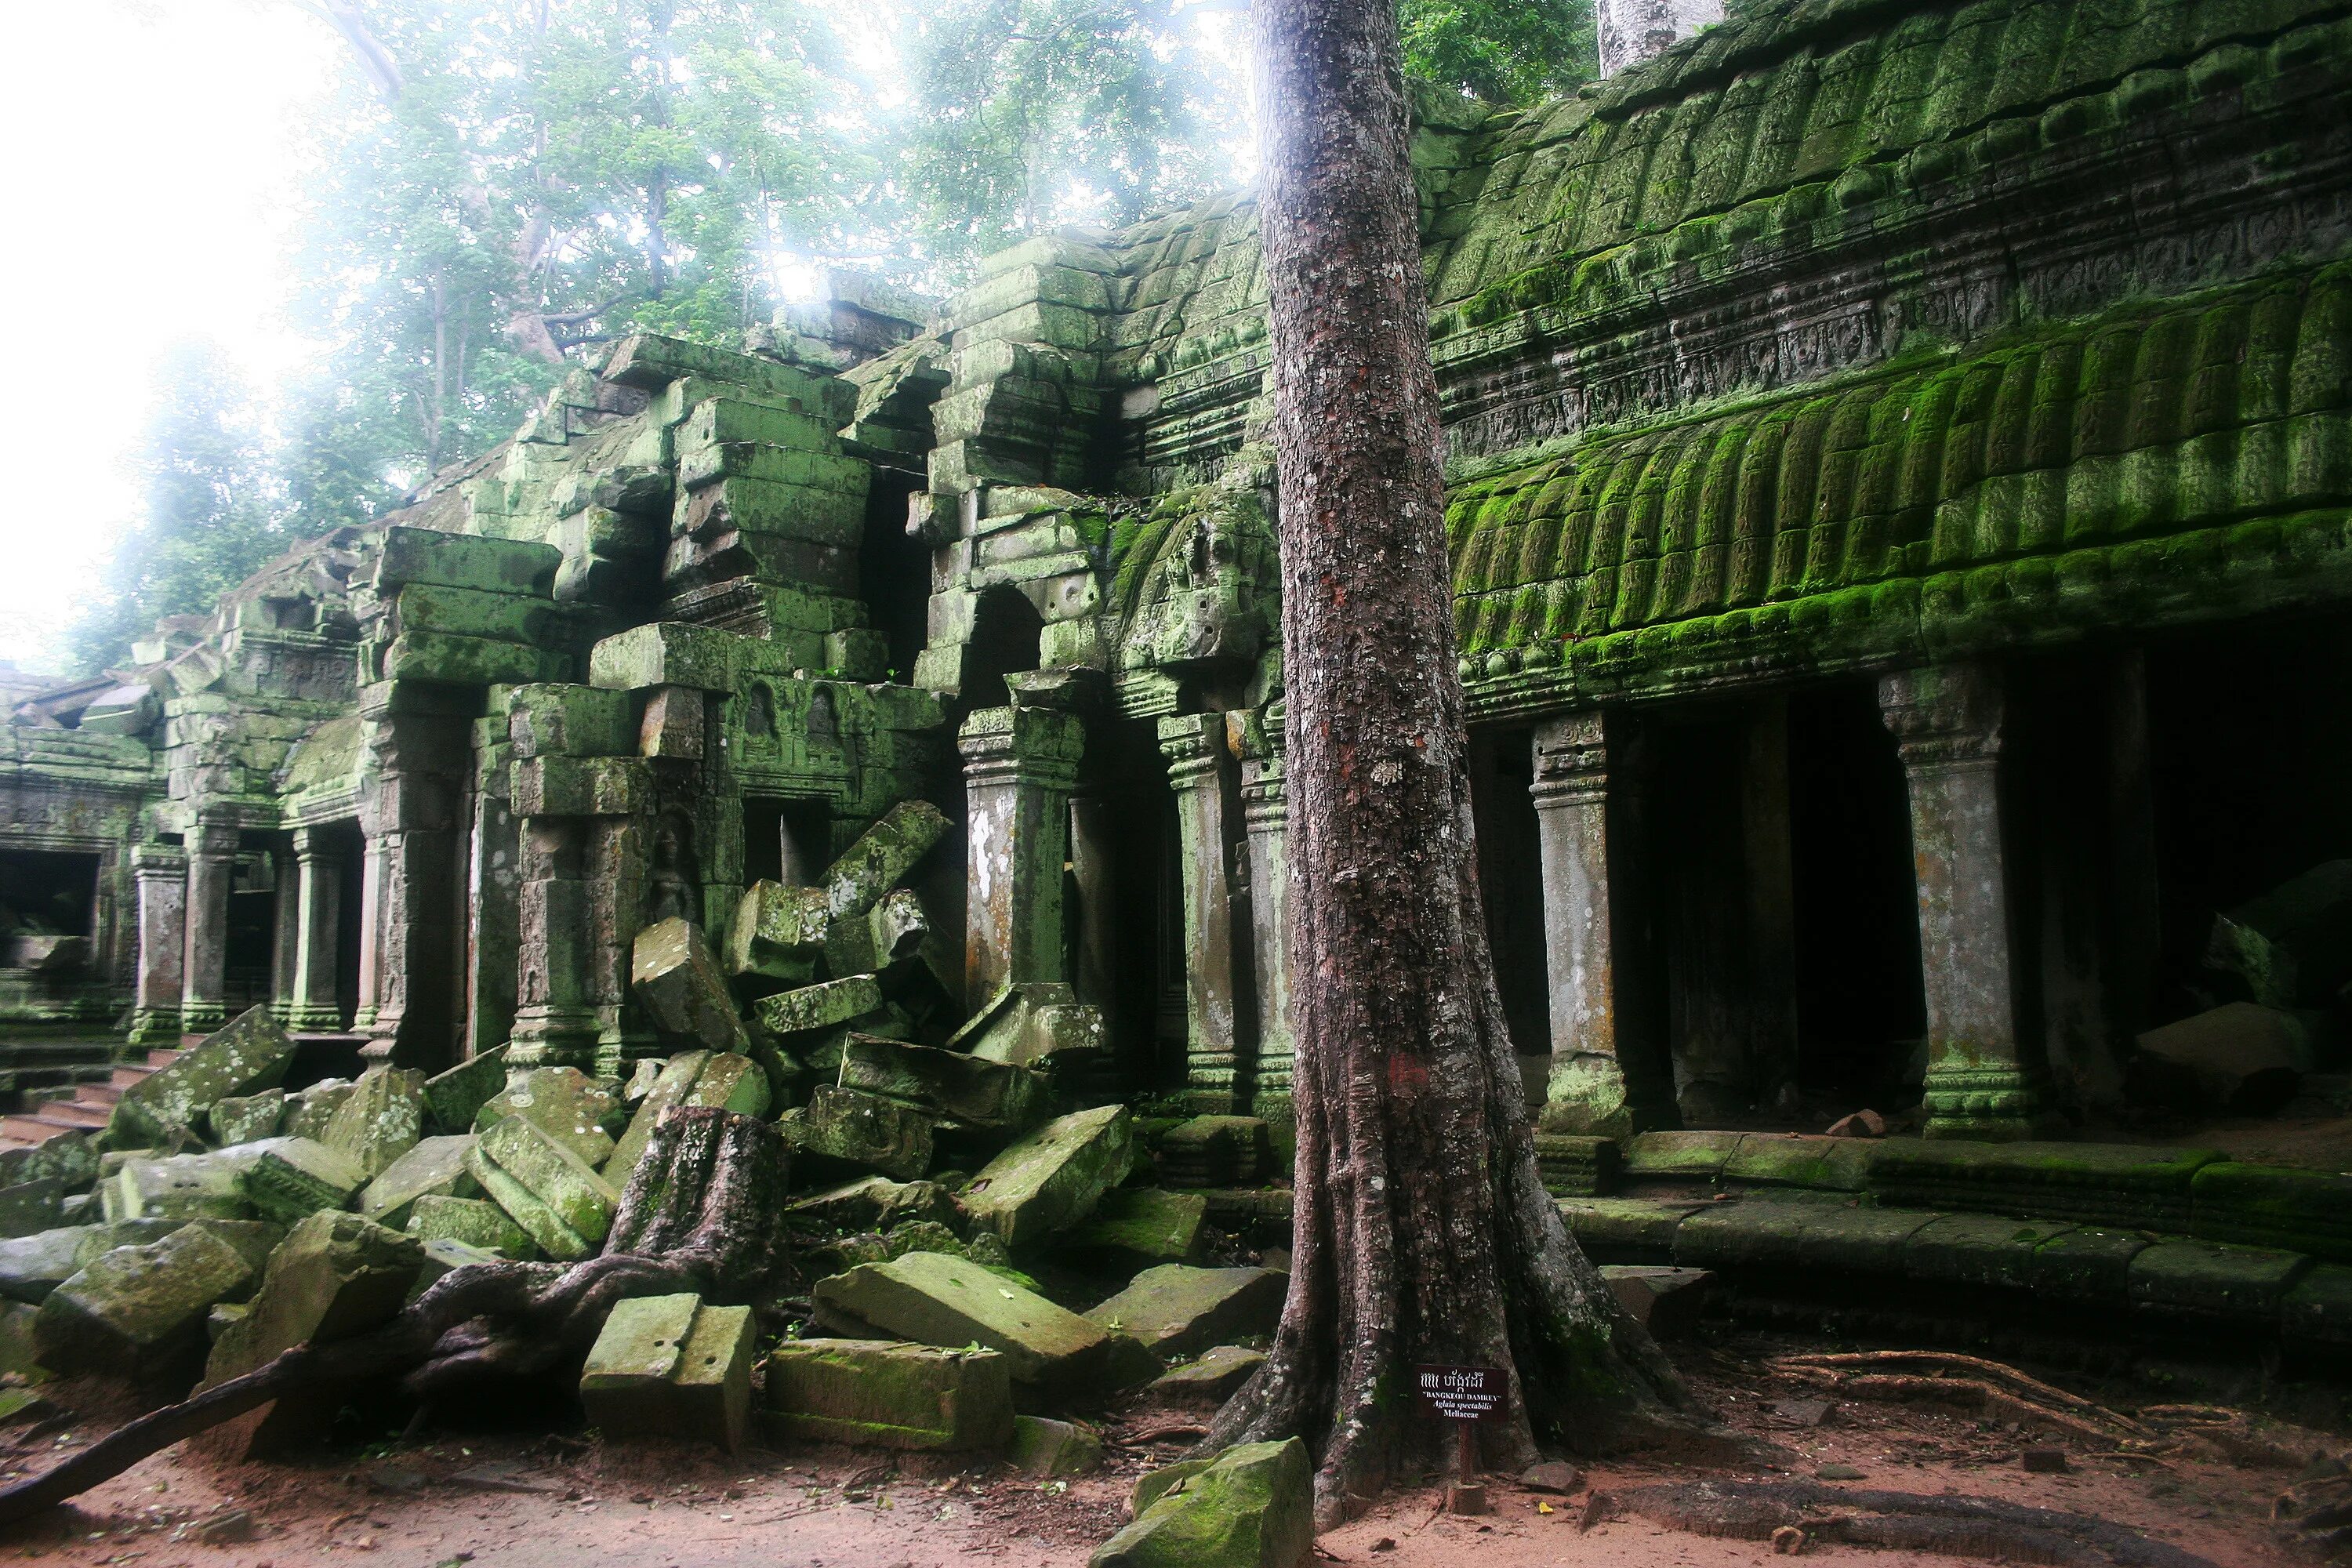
[[126, 1076], [22, 1129], [102, 1096], [75, 1113], [161, 1057]]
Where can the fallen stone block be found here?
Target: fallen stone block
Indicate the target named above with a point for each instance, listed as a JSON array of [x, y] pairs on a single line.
[[885, 1394], [563, 1102], [673, 973], [668, 1088], [69, 1158], [1215, 1151], [552, 1173], [670, 1365], [246, 1118], [1177, 1310], [251, 1053], [878, 1203], [33, 1265], [1216, 1377], [334, 1276], [818, 1006], [1032, 1024], [1251, 1507], [541, 1224], [433, 1167], [778, 932], [883, 854], [442, 1255], [453, 1098], [2241, 1057], [1142, 1225], [730, 1082], [183, 1186], [1053, 1178], [1665, 1301], [975, 1092], [311, 1112], [29, 1206], [936, 1300], [848, 1128], [1045, 1449], [138, 1311], [16, 1353], [294, 1177], [474, 1222]]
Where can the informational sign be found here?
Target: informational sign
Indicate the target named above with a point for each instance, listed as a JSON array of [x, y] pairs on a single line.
[[1462, 1393]]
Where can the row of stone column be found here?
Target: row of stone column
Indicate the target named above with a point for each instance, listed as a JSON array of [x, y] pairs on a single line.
[[1947, 726], [183, 911], [1030, 830]]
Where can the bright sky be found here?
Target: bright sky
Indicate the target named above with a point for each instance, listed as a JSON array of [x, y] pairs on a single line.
[[153, 151]]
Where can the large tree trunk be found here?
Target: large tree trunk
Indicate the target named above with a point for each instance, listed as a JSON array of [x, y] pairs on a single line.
[[703, 1212], [1423, 1232]]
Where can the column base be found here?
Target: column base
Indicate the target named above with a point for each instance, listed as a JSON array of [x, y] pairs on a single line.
[[203, 1017], [553, 1036], [152, 1027], [1586, 1097], [312, 1018], [1995, 1104], [1280, 1113]]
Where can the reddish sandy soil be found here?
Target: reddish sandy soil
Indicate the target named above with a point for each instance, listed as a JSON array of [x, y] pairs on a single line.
[[517, 1502]]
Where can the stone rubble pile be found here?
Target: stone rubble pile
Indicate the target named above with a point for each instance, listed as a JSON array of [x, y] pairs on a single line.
[[991, 1260]]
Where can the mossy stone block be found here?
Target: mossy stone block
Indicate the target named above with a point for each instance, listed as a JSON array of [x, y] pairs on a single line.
[[1627, 1230], [455, 1098], [563, 1102], [138, 1311], [2318, 1308], [537, 1220], [181, 1186], [885, 1394], [556, 1176], [1680, 1156], [933, 1298], [250, 1054], [674, 974], [1053, 1178], [247, 1118], [1045, 1449], [2088, 1263], [1790, 1159], [475, 1222], [33, 1265], [1756, 1233], [731, 1081], [2206, 1277], [1981, 1249], [669, 1365], [2274, 1205], [819, 1005], [432, 1167], [1212, 1379], [973, 1090], [848, 1128], [669, 1088], [295, 1178], [1252, 1507], [1150, 1225], [1177, 1310], [311, 1111]]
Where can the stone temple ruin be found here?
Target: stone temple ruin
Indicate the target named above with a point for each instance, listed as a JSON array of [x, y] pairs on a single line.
[[1900, 487]]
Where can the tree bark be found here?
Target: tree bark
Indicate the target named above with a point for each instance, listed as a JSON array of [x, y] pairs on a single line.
[[1423, 1234], [703, 1212]]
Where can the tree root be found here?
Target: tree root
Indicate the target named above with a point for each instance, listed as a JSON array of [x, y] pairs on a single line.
[[1981, 1528], [1929, 1374], [700, 1214]]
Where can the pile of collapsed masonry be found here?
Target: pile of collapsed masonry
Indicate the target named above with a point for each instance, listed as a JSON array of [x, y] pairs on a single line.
[[228, 1220]]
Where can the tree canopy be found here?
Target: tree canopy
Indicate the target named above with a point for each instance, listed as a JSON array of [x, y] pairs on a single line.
[[494, 187]]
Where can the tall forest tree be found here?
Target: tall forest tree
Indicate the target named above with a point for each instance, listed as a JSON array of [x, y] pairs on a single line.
[[210, 510], [500, 185], [1423, 1234]]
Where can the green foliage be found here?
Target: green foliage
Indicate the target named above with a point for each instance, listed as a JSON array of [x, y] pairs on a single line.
[[1505, 51], [210, 513], [544, 178]]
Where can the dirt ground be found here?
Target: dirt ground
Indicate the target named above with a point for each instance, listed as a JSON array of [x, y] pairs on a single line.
[[550, 1502]]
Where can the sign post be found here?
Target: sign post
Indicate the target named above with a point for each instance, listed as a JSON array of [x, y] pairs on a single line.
[[1464, 1395]]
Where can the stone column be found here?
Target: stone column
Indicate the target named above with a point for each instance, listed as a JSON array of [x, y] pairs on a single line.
[[160, 874], [555, 1022], [1265, 817], [1947, 722], [1020, 765], [1093, 961], [415, 921], [493, 891], [318, 900], [286, 943], [1587, 1090], [211, 863], [1200, 768]]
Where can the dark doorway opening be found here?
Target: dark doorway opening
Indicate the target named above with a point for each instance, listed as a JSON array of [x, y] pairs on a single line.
[[1861, 1007], [1146, 1012], [1004, 636], [1510, 885], [47, 893], [786, 841], [252, 930], [894, 573]]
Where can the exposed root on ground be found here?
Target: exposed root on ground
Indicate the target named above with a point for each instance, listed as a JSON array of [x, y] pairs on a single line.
[[1961, 1380], [1980, 1528], [701, 1214]]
